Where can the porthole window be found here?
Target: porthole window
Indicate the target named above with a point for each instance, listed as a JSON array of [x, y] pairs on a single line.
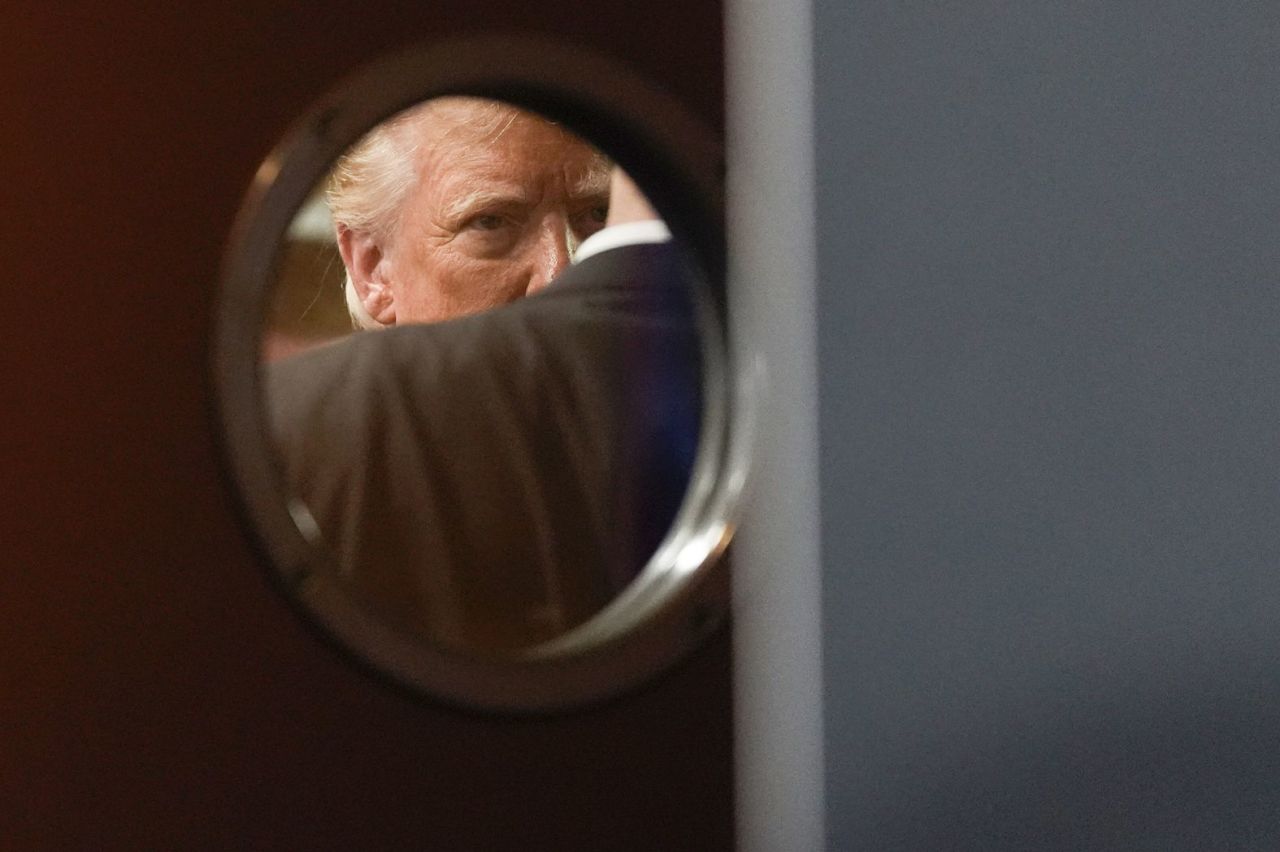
[[473, 381]]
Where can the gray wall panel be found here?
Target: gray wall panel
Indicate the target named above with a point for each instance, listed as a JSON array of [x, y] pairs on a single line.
[[777, 576], [1049, 376]]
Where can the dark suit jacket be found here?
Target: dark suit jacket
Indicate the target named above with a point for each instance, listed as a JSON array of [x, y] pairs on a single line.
[[492, 481]]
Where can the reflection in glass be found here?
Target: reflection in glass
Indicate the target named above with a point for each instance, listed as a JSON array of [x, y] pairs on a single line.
[[499, 459]]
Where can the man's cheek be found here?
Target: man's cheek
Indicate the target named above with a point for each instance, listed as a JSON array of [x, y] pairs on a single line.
[[495, 279]]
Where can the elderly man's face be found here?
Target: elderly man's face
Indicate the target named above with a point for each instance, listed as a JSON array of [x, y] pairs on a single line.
[[496, 213]]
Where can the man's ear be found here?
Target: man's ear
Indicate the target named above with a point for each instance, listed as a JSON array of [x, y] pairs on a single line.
[[362, 255]]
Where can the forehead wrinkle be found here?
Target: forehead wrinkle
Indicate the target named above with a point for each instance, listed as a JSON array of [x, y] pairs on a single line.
[[448, 171]]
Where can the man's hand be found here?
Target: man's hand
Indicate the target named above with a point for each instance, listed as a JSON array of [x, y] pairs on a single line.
[[626, 202]]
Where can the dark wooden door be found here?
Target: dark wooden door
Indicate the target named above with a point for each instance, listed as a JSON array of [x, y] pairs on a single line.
[[155, 691]]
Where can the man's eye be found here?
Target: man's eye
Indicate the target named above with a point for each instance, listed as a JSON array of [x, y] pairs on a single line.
[[487, 222], [592, 219]]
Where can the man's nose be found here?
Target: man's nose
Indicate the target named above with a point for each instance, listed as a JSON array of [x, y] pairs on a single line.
[[552, 255]]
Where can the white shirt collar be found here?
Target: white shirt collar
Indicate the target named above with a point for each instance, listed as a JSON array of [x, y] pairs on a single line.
[[626, 234]]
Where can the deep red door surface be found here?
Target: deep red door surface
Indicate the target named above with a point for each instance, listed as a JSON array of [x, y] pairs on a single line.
[[155, 692]]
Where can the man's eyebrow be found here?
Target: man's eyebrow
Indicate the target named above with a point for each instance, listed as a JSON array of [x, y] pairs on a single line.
[[480, 199], [594, 182]]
